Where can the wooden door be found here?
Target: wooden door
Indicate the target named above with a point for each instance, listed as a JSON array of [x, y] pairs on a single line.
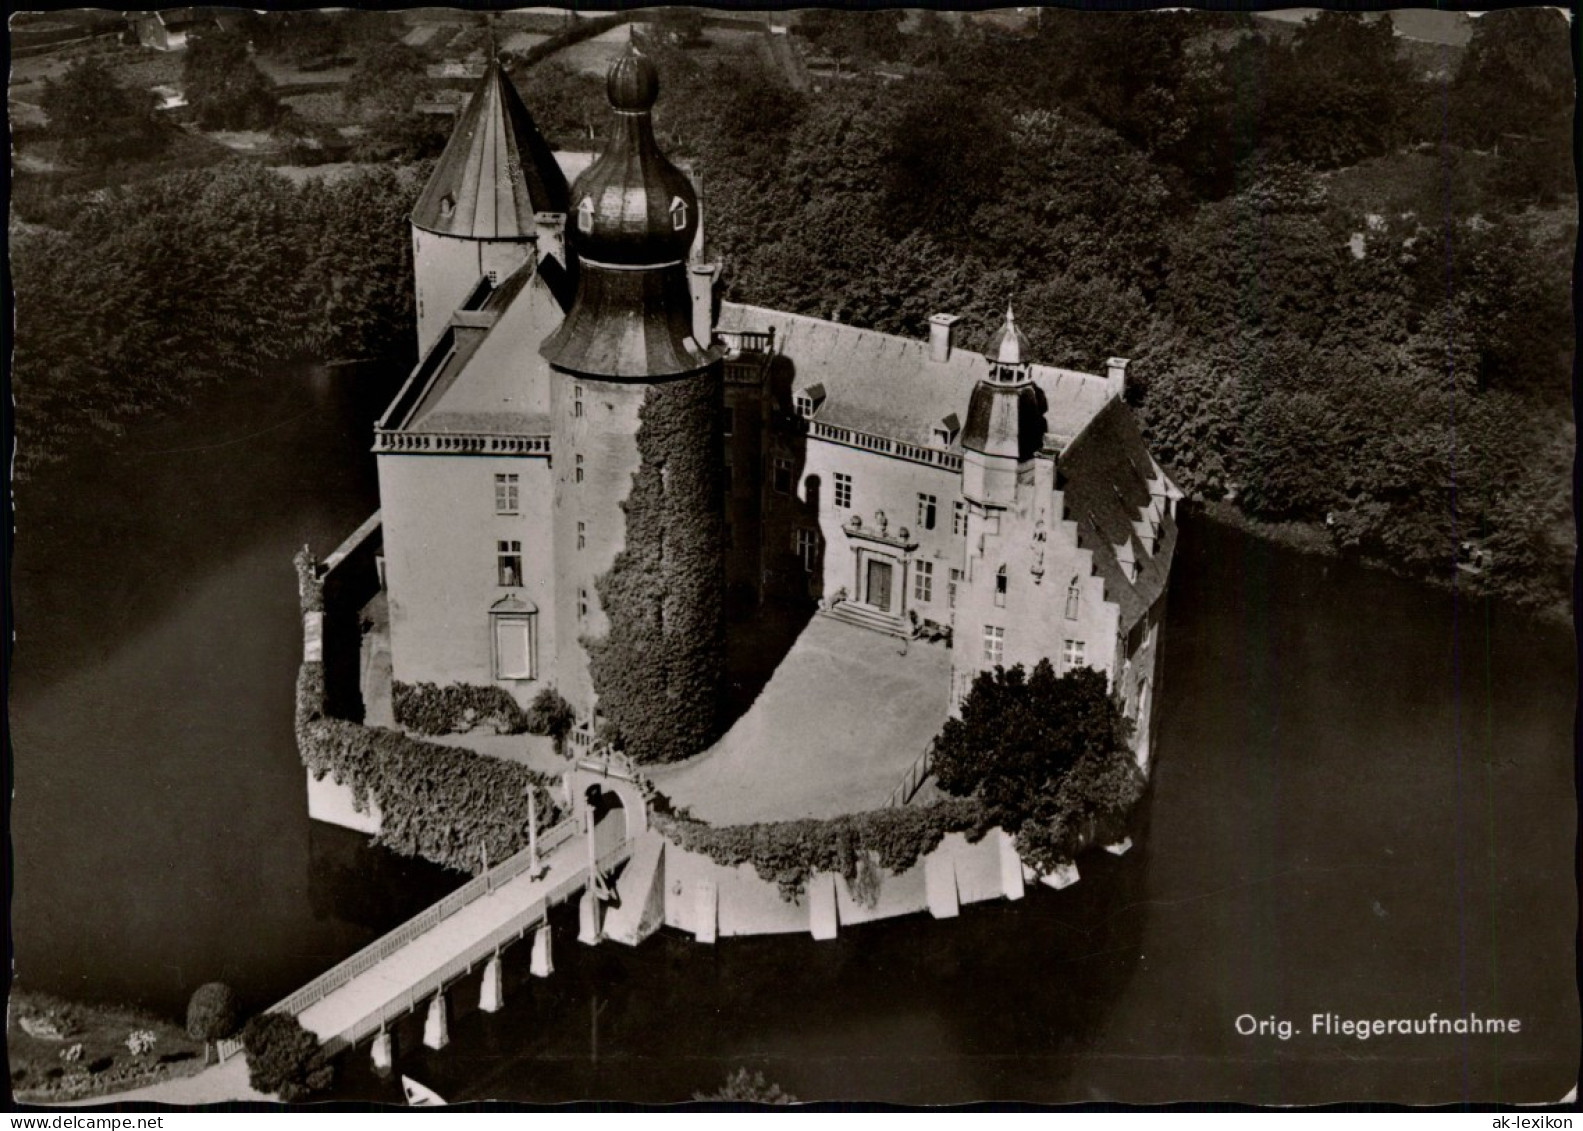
[[879, 584]]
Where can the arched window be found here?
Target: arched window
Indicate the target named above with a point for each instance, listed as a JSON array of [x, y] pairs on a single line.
[[1074, 599], [678, 213], [585, 215], [1000, 586]]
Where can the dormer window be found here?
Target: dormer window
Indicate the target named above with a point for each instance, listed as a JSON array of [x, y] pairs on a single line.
[[447, 205], [678, 213], [807, 401], [585, 215], [945, 432]]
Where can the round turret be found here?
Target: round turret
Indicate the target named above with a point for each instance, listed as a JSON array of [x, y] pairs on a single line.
[[633, 207]]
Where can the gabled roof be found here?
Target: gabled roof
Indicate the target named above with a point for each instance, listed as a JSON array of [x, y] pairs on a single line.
[[886, 385], [1105, 473], [468, 382], [496, 172]]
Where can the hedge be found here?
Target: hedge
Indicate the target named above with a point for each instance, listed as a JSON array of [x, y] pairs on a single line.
[[788, 853], [455, 708], [436, 802], [660, 670]]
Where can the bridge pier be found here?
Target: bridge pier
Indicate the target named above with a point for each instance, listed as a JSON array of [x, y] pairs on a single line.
[[490, 995], [436, 1026], [588, 917], [543, 964], [384, 1051]]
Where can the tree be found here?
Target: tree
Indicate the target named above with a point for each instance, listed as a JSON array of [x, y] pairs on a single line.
[[97, 118], [747, 1087], [283, 1058], [1046, 756], [386, 80], [551, 714], [224, 86], [213, 1014]]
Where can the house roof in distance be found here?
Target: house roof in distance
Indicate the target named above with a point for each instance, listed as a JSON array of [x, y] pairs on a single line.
[[497, 170], [886, 385]]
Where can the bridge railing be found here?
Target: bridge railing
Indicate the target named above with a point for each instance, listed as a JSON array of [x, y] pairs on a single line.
[[531, 916], [386, 945], [383, 947], [912, 779]]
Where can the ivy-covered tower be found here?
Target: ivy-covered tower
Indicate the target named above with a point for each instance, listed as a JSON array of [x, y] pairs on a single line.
[[635, 404]]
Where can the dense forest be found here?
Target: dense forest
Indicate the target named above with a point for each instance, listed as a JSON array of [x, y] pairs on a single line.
[[1342, 268]]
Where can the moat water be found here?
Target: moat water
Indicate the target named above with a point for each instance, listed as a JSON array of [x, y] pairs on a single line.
[[1363, 804]]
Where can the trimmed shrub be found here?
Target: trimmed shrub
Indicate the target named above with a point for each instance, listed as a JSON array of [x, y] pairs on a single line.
[[456, 708], [283, 1058], [213, 1014], [551, 715]]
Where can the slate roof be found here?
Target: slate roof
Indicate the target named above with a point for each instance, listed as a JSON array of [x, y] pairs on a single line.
[[1104, 474], [496, 172], [419, 406], [886, 385]]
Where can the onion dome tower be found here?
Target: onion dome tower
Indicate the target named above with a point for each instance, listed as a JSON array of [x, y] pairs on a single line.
[[636, 216], [635, 403], [1005, 420], [496, 193]]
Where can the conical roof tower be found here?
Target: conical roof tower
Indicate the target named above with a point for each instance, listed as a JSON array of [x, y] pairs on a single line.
[[497, 170]]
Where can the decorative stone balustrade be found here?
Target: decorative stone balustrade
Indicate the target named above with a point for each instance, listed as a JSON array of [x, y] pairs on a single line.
[[459, 443], [868, 442]]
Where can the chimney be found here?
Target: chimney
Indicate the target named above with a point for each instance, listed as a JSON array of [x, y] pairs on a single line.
[[1116, 377], [549, 229], [941, 335], [701, 277]]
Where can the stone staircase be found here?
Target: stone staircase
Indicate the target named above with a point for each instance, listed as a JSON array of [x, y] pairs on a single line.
[[863, 616]]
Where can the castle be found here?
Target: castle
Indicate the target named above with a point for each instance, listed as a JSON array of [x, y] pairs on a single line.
[[595, 457]]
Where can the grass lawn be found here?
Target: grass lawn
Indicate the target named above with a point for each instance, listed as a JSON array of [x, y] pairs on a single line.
[[75, 1051]]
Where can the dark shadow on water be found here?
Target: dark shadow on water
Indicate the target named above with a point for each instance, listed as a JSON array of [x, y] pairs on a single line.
[[353, 881], [910, 1011]]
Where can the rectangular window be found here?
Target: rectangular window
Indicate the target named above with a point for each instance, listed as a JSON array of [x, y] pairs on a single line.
[[950, 588], [1071, 656], [923, 581], [728, 421], [577, 474], [805, 545], [582, 535], [994, 645], [782, 480], [508, 563], [926, 507], [843, 491], [514, 647], [1000, 587], [959, 517], [803, 403], [1074, 600], [582, 604], [505, 494], [577, 400]]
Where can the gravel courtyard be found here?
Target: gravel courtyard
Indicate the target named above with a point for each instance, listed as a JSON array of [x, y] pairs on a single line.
[[840, 721]]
